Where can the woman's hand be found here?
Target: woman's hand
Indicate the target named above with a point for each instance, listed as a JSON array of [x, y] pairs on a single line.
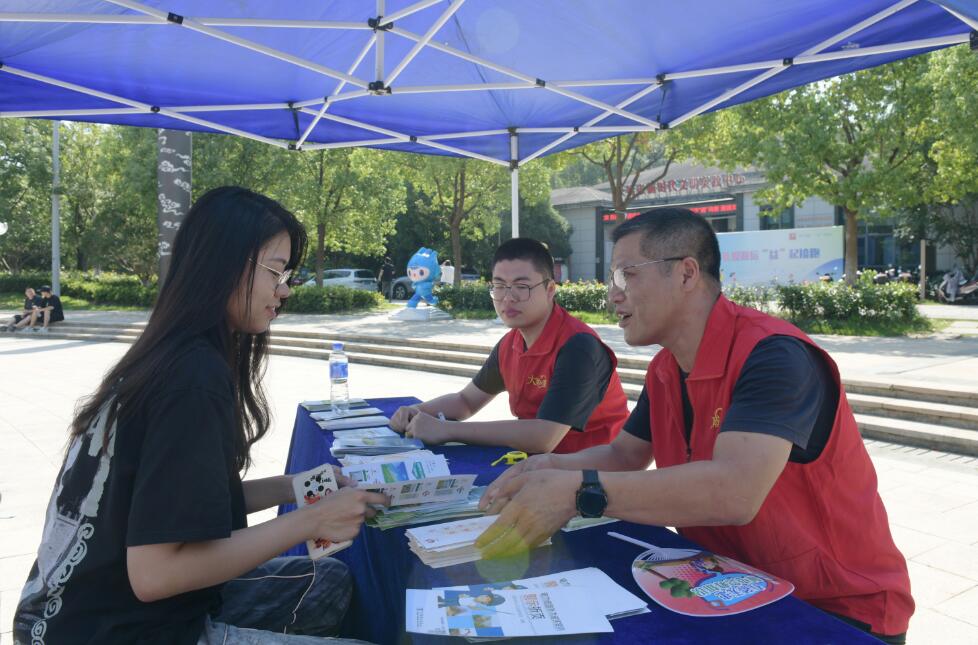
[[492, 501], [403, 416], [338, 516]]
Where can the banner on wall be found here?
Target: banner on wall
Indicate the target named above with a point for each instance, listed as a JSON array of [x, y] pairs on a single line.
[[781, 256]]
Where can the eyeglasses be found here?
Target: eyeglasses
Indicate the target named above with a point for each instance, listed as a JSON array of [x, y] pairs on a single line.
[[519, 292], [618, 275], [282, 276]]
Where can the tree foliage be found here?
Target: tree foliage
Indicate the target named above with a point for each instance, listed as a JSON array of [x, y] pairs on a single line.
[[854, 140], [25, 197]]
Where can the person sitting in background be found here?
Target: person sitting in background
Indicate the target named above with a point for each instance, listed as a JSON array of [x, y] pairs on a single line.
[[31, 302], [561, 379], [49, 311]]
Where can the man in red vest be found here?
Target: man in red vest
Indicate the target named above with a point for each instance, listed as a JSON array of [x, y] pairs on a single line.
[[757, 452], [563, 387]]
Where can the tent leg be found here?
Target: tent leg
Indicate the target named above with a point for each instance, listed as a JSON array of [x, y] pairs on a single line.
[[514, 181], [56, 210]]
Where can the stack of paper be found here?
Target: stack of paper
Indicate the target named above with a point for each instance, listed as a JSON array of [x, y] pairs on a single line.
[[417, 480], [442, 545], [384, 445], [351, 460], [332, 415], [350, 422], [389, 518], [325, 405], [445, 610], [578, 522], [504, 613]]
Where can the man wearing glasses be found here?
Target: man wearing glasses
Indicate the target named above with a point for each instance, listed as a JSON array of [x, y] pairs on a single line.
[[756, 449], [561, 379]]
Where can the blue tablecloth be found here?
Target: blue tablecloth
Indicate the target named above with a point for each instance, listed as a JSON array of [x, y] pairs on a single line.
[[383, 568]]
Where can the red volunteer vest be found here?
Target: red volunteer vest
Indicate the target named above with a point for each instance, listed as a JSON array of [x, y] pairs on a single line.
[[527, 374], [823, 525]]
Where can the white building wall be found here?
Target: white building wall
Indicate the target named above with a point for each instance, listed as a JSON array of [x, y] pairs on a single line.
[[581, 219], [813, 212], [752, 211]]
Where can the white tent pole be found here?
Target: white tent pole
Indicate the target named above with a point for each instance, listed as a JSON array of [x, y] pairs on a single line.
[[56, 209], [419, 45], [825, 44], [407, 11], [193, 25], [553, 144], [356, 63], [379, 50], [126, 19], [963, 18], [514, 181], [434, 44], [136, 104]]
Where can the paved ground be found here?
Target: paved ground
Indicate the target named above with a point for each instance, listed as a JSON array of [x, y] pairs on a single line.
[[932, 497]]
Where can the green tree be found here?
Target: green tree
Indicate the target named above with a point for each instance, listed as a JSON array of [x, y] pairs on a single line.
[[952, 187], [351, 197], [25, 193], [855, 141], [467, 195]]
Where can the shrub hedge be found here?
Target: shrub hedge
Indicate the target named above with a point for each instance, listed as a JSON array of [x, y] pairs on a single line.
[[127, 290], [818, 301], [474, 296], [329, 300]]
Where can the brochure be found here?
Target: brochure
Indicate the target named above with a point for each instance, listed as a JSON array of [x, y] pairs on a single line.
[[700, 583], [501, 613]]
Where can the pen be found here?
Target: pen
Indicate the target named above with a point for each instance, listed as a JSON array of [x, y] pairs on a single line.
[[625, 538]]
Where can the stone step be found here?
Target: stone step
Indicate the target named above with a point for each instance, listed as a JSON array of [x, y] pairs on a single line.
[[944, 414], [906, 413], [913, 433], [953, 395]]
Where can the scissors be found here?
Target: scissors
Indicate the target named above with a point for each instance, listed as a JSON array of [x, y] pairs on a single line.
[[511, 457]]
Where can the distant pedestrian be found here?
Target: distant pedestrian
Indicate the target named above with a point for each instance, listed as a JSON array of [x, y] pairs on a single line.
[[386, 277], [49, 311], [31, 302]]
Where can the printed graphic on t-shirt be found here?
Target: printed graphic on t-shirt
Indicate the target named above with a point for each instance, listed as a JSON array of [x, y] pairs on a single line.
[[68, 525]]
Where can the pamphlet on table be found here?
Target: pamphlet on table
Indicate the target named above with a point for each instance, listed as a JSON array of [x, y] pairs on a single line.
[[442, 545], [701, 583], [545, 606]]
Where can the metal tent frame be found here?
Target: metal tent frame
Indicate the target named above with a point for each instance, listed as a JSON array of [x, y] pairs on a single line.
[[378, 32]]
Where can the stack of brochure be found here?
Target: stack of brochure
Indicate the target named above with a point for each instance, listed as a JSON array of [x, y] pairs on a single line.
[[388, 518], [578, 601], [442, 545], [343, 447], [327, 405], [421, 478]]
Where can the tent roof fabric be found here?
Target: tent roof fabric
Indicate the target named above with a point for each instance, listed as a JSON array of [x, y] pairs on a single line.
[[458, 77]]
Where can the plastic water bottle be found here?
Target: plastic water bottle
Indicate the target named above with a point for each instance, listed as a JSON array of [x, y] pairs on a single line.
[[339, 374]]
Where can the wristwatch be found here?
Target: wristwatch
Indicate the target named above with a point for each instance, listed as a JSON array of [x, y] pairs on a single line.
[[591, 498]]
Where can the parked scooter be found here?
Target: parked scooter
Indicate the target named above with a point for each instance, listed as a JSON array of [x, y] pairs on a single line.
[[956, 288]]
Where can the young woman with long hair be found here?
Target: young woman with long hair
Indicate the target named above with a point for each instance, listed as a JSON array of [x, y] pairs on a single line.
[[146, 537]]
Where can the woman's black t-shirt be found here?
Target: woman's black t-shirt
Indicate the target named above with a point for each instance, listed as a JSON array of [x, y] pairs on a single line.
[[167, 475]]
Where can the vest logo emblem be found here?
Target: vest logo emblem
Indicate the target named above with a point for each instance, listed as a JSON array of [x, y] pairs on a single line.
[[716, 419], [537, 381]]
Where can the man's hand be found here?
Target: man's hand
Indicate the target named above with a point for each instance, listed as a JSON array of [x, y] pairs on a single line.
[[403, 416], [540, 502], [492, 501], [338, 517], [428, 429]]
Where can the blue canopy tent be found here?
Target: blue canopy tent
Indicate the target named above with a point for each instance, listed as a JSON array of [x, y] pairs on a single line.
[[505, 81]]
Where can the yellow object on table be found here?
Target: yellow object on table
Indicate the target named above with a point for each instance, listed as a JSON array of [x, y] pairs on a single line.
[[511, 457]]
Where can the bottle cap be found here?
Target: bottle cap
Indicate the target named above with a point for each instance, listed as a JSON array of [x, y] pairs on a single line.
[[338, 345]]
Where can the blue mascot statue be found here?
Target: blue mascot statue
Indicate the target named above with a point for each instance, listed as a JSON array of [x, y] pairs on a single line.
[[424, 272]]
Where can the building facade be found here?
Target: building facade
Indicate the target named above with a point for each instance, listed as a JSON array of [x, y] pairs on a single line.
[[726, 200]]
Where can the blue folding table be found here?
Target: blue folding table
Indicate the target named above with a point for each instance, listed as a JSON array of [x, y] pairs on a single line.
[[383, 567]]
